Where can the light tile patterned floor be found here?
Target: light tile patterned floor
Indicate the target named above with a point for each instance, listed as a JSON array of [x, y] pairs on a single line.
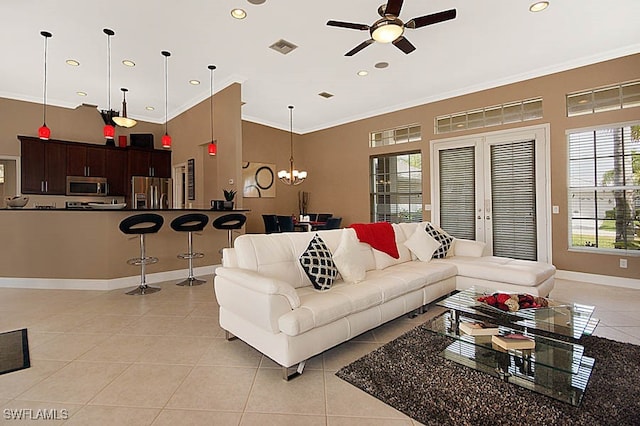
[[161, 359]]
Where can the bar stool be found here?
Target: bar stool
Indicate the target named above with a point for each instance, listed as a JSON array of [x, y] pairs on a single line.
[[230, 222], [190, 223], [141, 225]]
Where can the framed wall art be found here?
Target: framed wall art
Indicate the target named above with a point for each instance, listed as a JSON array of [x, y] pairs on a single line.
[[259, 180]]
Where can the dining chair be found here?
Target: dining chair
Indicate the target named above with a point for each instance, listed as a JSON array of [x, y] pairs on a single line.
[[285, 223], [322, 217], [333, 223], [312, 216], [270, 223]]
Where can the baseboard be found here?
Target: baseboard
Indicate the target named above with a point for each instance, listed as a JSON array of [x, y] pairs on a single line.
[[101, 284], [605, 280]]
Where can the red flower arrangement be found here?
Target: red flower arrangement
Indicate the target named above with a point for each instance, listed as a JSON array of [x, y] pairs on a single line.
[[513, 302]]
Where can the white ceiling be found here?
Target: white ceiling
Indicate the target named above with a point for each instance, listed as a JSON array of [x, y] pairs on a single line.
[[490, 43]]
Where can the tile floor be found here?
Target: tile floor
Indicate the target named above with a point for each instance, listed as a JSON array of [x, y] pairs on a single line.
[[111, 359]]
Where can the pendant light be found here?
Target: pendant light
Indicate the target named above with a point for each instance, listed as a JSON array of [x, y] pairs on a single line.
[[292, 176], [213, 145], [166, 139], [44, 132], [109, 131], [123, 120]]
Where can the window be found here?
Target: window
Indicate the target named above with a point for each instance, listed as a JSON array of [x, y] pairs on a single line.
[[512, 112], [625, 95], [404, 134], [604, 188], [396, 188]]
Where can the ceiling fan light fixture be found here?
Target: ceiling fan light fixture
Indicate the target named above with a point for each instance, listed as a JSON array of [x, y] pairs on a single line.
[[387, 30]]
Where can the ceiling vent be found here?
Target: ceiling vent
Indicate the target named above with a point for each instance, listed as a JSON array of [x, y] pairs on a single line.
[[283, 46], [325, 95]]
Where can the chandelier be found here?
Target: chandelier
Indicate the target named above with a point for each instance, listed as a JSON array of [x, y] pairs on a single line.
[[291, 176]]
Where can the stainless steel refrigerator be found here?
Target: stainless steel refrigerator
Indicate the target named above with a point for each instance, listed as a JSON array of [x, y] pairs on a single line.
[[151, 193]]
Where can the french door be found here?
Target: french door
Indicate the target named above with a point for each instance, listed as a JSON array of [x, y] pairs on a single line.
[[494, 188]]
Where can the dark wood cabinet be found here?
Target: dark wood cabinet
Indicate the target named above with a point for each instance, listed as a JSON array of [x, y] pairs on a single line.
[[85, 160], [46, 165], [116, 164], [145, 162], [43, 166]]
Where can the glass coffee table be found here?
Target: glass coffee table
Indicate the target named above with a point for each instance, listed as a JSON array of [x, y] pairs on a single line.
[[556, 367]]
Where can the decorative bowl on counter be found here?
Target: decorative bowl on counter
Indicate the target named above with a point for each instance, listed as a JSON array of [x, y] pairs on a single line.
[[17, 202]]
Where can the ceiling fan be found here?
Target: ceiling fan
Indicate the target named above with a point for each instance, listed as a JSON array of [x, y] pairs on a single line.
[[390, 28]]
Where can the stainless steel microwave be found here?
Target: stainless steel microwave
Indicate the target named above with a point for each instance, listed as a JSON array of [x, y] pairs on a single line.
[[91, 186]]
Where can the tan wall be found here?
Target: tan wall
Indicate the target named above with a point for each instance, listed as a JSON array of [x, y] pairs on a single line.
[[338, 158], [265, 144]]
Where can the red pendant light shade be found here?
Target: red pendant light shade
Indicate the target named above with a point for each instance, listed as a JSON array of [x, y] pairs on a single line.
[[213, 149], [109, 131], [44, 132], [213, 145], [166, 139]]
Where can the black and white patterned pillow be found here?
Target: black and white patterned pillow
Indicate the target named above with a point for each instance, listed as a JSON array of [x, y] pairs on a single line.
[[317, 263], [443, 238]]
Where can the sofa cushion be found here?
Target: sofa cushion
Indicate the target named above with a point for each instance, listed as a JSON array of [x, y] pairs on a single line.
[[318, 264], [462, 247], [422, 244], [383, 260], [442, 237], [347, 259]]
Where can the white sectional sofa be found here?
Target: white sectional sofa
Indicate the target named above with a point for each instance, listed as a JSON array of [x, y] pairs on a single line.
[[267, 300]]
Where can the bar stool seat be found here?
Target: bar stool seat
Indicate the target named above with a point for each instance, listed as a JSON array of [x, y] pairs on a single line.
[[230, 222], [190, 223], [141, 225]]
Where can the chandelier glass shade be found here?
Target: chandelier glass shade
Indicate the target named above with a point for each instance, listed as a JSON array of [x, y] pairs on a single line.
[[291, 176], [44, 132]]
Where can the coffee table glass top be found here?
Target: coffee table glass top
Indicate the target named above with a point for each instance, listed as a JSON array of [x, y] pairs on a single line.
[[560, 318]]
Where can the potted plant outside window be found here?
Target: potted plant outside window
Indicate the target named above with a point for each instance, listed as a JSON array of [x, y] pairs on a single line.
[[229, 195]]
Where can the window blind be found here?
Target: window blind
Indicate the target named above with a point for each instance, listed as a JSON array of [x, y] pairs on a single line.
[[457, 192], [513, 197]]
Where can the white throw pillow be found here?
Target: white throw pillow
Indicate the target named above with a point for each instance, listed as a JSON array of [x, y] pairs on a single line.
[[347, 259], [422, 244]]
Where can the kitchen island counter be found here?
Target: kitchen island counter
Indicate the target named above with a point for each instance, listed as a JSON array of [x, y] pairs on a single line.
[[64, 248]]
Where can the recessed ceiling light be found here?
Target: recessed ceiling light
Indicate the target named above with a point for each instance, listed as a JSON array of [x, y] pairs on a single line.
[[539, 6], [362, 73], [81, 93], [73, 62], [194, 82], [238, 13], [149, 108], [381, 65], [128, 63], [256, 1]]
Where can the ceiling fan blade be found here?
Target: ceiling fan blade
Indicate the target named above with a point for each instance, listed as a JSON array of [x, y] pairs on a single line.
[[393, 7], [434, 18], [404, 45], [350, 25], [359, 47]]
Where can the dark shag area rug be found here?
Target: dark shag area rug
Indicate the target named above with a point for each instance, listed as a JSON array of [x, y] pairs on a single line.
[[410, 375]]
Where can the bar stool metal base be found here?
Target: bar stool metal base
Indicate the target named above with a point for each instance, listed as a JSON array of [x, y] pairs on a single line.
[[143, 289], [191, 281]]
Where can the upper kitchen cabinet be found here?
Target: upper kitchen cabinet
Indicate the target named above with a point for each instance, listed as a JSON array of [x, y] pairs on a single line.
[[83, 160], [146, 162], [116, 160], [43, 166]]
